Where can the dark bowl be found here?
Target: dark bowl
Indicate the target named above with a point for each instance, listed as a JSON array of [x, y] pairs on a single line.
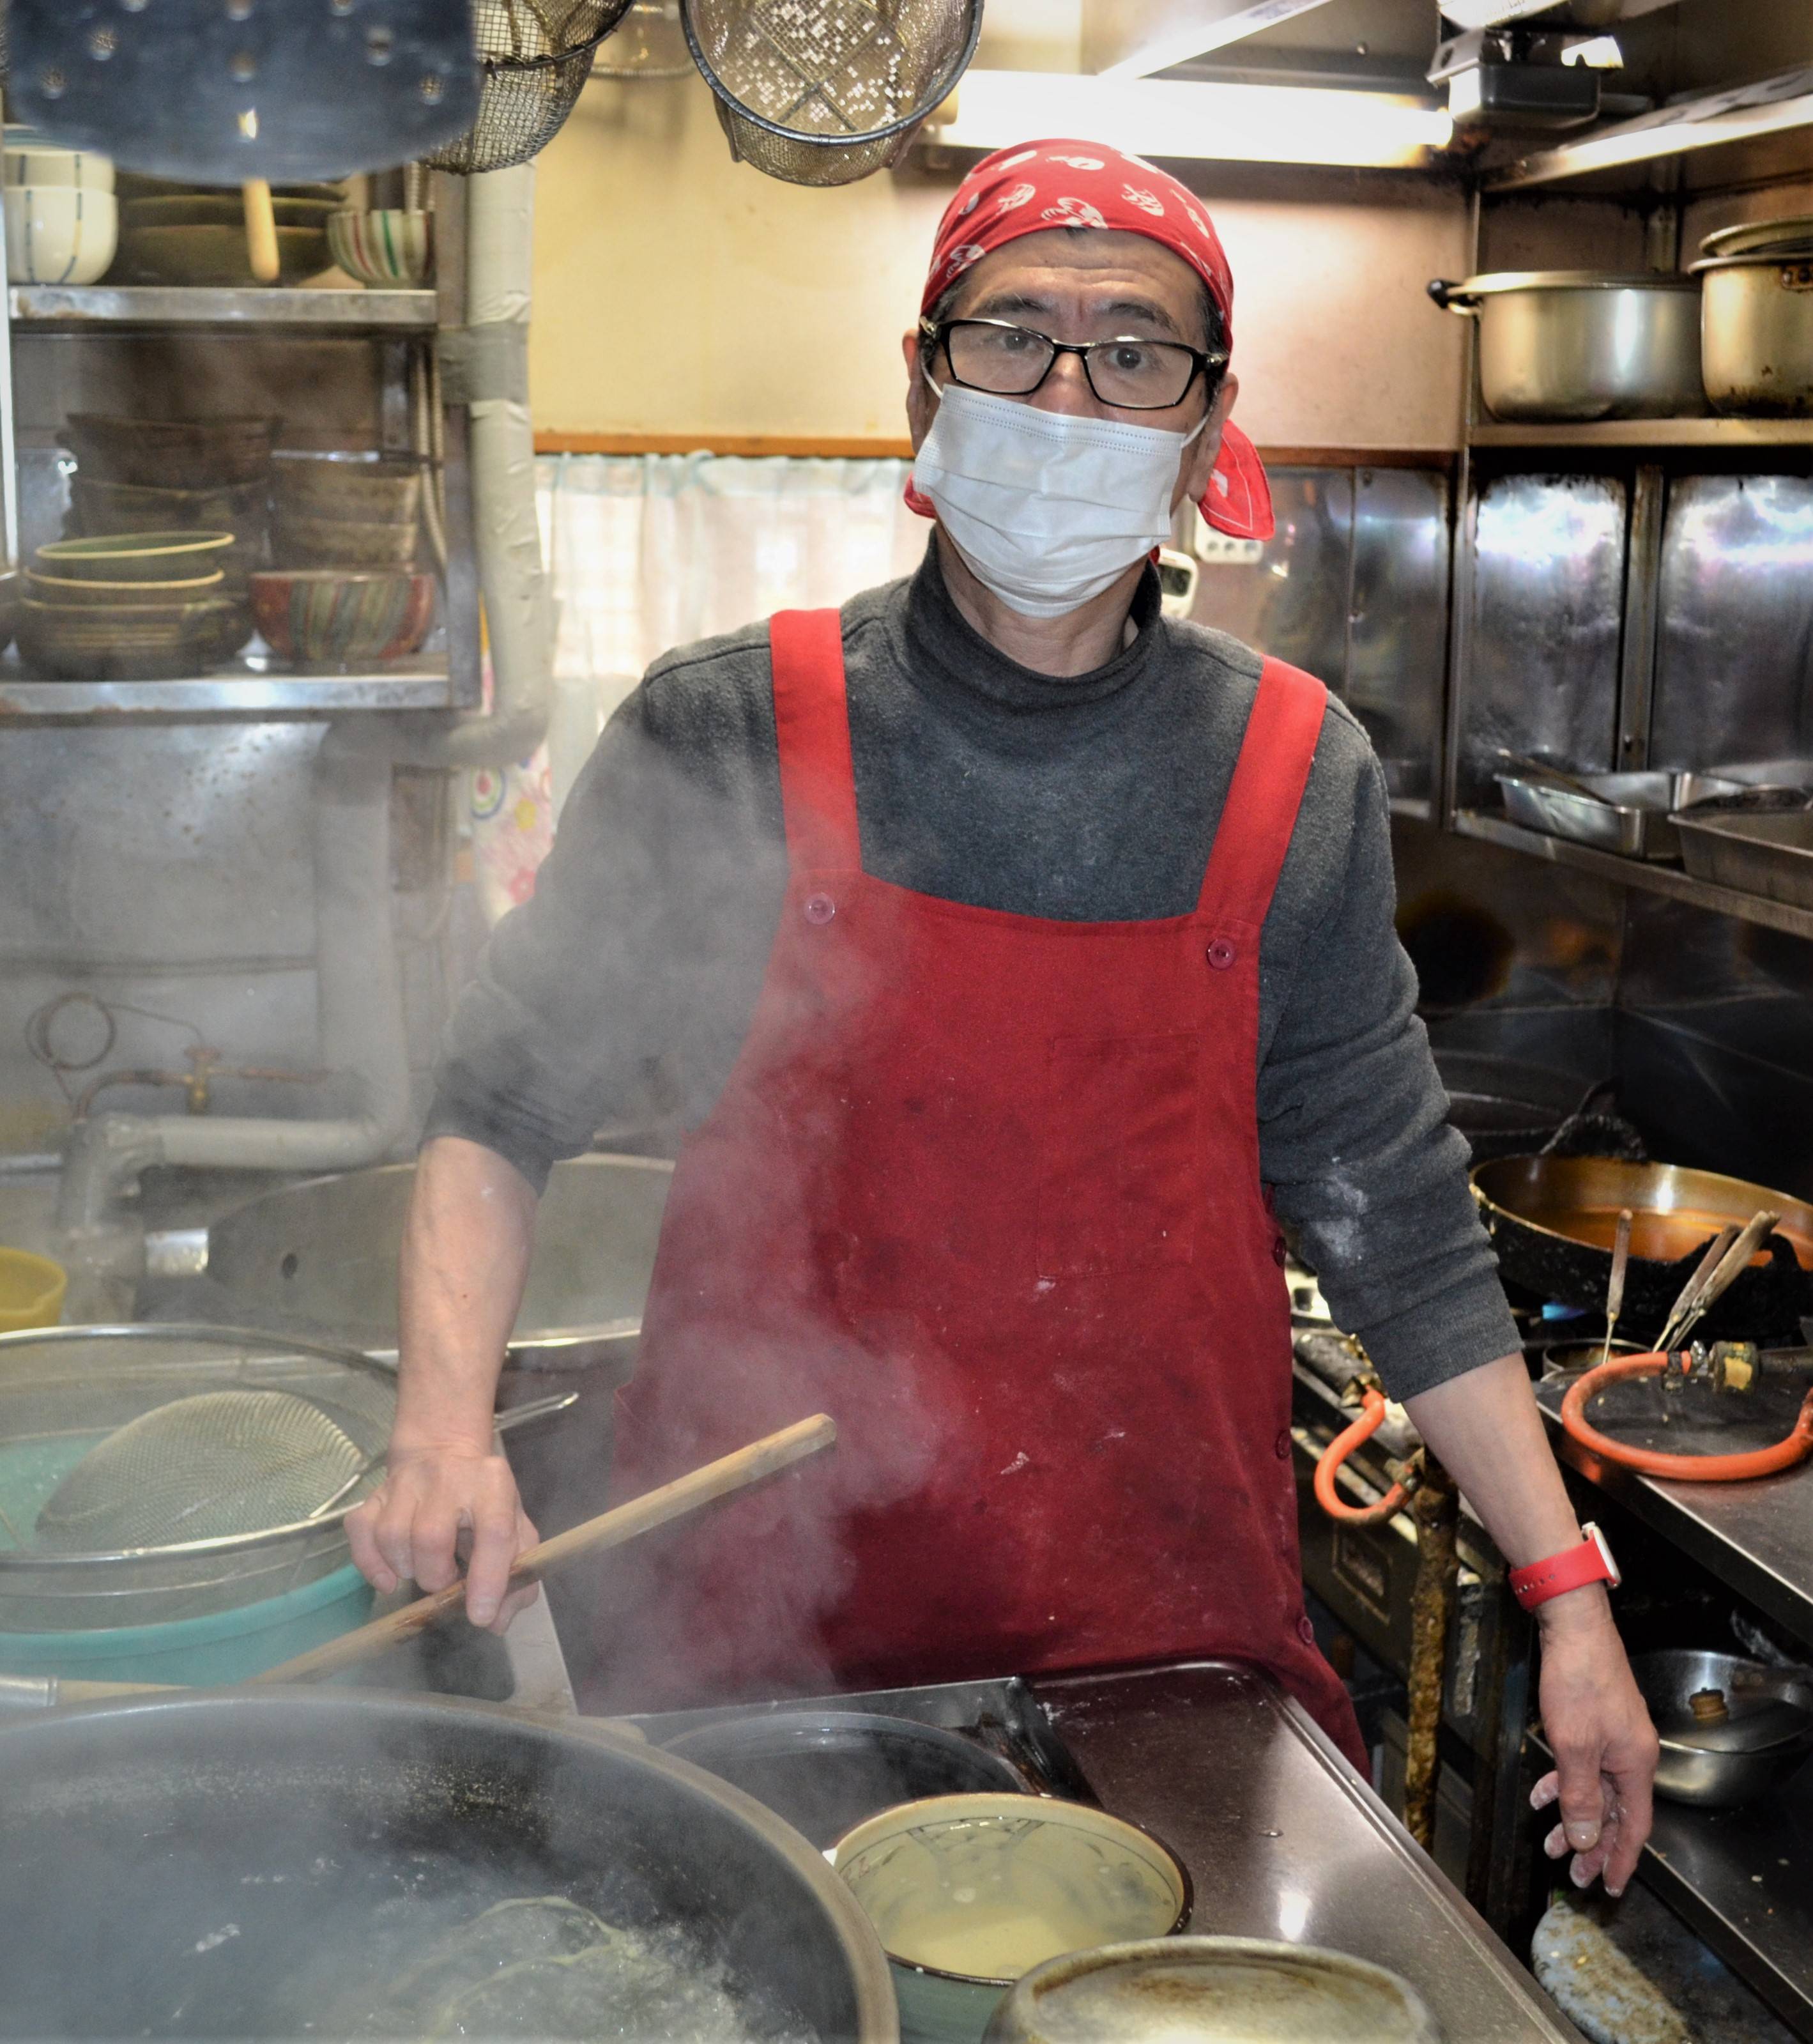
[[179, 454]]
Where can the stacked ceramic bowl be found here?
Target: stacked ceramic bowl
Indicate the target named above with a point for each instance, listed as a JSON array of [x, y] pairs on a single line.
[[345, 592], [62, 218], [144, 607], [191, 234]]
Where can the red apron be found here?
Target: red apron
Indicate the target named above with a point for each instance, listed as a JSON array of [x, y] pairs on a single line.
[[985, 1187]]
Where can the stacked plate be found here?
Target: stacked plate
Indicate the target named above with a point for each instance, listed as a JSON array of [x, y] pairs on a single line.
[[188, 234], [99, 509], [141, 607]]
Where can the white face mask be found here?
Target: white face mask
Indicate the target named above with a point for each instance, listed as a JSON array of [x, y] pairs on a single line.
[[1047, 507]]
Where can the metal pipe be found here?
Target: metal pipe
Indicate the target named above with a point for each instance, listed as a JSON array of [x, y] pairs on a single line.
[[1437, 1511]]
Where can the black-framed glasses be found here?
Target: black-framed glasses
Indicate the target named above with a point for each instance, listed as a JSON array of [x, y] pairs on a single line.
[[1130, 373]]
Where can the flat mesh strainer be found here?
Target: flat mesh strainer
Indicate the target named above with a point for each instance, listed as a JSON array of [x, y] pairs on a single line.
[[822, 92], [534, 56], [206, 1468]]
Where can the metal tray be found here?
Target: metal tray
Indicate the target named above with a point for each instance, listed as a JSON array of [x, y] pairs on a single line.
[[1632, 814], [1756, 852]]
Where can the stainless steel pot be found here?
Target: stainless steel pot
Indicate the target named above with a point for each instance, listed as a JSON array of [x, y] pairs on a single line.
[[1760, 1734], [1583, 343], [1757, 332], [253, 1865]]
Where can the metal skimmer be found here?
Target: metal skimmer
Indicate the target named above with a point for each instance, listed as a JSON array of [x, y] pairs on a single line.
[[150, 1472], [823, 92], [217, 1464], [534, 57]]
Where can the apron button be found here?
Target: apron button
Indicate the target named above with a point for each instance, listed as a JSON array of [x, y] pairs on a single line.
[[1279, 1252], [1221, 953], [1280, 1447], [820, 908], [1306, 1632]]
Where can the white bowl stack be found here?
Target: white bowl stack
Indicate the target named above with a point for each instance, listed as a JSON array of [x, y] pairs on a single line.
[[62, 220]]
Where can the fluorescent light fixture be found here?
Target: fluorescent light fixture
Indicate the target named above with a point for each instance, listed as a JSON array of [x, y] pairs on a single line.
[[1242, 124]]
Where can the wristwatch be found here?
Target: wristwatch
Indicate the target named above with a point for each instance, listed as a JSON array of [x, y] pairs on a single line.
[[1590, 1562]]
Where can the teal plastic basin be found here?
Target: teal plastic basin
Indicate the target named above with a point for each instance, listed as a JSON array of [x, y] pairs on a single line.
[[224, 1647]]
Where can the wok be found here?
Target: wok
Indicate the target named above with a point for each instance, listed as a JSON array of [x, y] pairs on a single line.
[[1552, 1220], [1765, 1736], [224, 1866]]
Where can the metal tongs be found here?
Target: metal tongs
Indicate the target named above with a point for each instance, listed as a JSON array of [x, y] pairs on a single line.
[[1728, 1254]]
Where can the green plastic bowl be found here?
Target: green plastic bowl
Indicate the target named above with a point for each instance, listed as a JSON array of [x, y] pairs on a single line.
[[223, 1647]]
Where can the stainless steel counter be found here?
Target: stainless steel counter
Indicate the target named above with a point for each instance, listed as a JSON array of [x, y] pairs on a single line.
[[1755, 1537], [1282, 1840]]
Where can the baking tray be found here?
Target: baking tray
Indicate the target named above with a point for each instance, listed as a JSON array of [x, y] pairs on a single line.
[[1631, 815], [1769, 852]]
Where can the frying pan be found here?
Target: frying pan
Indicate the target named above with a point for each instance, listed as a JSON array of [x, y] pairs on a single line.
[[1553, 1220]]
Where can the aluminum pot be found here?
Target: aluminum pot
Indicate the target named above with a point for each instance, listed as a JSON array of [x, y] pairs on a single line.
[[1757, 332], [1583, 343], [1211, 1991], [230, 1864]]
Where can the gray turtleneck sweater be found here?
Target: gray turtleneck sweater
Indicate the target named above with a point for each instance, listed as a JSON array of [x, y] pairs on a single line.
[[631, 975]]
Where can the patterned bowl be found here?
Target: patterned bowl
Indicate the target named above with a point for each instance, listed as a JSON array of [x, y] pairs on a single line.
[[242, 509], [155, 643], [135, 557], [79, 593], [389, 249], [332, 617], [59, 234]]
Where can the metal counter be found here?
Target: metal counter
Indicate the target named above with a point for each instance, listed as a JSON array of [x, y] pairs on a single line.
[[1282, 1840]]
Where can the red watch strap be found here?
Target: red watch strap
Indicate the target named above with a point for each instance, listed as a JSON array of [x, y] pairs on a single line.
[[1589, 1562]]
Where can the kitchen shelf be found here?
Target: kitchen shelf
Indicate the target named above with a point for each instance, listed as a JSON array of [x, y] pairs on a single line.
[[240, 691], [82, 306], [1740, 1878], [1730, 434], [1669, 880], [1745, 114]]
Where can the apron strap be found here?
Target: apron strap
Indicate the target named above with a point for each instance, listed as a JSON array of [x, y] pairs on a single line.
[[811, 727], [1266, 791]]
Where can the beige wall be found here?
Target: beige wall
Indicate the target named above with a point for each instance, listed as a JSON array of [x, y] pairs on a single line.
[[679, 292]]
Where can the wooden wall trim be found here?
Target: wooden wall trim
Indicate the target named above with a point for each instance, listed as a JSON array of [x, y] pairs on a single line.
[[877, 446]]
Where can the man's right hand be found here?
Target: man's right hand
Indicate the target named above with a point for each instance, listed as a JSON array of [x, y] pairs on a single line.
[[436, 1504]]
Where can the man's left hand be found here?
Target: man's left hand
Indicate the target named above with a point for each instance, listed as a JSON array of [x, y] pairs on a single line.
[[1604, 1745]]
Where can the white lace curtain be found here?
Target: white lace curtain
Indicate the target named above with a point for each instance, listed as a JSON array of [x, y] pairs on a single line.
[[650, 552]]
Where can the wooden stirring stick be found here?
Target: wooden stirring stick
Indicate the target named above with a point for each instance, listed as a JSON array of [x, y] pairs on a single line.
[[730, 1472], [260, 230]]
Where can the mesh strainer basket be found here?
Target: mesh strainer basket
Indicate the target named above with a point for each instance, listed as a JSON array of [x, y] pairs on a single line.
[[823, 92], [533, 56], [151, 1472]]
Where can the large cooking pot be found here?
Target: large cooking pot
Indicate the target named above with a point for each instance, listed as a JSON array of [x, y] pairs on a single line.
[[230, 1866], [1756, 332], [1583, 343], [1554, 1220]]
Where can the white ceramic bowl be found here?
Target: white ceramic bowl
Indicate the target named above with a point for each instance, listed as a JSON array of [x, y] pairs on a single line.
[[59, 234], [30, 160]]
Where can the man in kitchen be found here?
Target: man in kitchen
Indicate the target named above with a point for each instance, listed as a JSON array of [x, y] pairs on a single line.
[[1021, 962]]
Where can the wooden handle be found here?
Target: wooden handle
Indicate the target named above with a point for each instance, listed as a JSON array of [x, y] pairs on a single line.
[[260, 230], [733, 1472]]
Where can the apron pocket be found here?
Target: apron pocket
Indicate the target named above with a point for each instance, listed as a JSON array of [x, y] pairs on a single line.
[[1121, 1168]]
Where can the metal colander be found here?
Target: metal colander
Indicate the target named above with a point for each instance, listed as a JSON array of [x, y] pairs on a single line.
[[534, 56], [206, 1467], [151, 1472], [822, 92]]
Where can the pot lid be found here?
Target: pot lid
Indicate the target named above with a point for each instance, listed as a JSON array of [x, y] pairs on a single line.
[[1497, 281], [1758, 237]]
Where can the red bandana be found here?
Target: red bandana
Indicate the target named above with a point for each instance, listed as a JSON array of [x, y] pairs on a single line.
[[1042, 185]]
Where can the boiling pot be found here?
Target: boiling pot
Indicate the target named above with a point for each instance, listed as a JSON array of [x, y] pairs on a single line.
[[1583, 343], [222, 1864], [1757, 338]]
